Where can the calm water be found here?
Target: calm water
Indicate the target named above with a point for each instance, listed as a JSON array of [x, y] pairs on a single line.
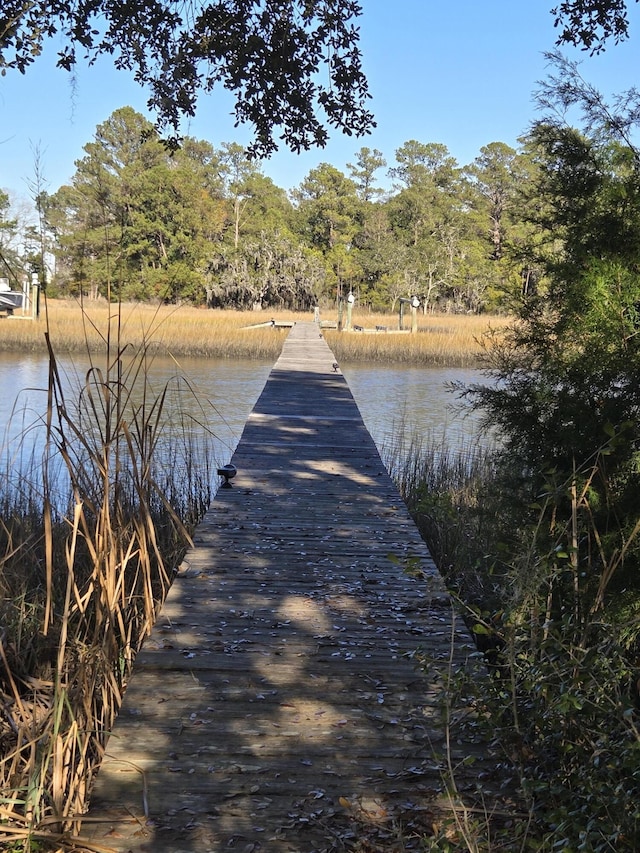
[[221, 393], [415, 399]]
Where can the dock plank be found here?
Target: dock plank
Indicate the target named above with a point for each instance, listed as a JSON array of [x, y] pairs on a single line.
[[277, 704]]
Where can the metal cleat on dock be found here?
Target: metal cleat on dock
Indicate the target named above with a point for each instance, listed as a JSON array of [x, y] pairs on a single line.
[[228, 472]]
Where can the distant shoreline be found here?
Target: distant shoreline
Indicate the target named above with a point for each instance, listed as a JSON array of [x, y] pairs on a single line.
[[184, 331]]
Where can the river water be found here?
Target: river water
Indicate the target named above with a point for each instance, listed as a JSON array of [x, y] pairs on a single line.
[[219, 394]]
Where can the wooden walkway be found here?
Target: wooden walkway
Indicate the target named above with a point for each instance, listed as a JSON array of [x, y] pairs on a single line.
[[278, 705]]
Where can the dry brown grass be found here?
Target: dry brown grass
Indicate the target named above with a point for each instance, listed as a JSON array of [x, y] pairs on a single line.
[[180, 330], [90, 536], [186, 331], [442, 339]]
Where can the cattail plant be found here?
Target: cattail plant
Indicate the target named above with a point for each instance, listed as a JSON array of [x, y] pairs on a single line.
[[90, 536]]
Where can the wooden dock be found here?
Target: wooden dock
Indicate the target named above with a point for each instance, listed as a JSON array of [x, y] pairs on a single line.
[[278, 705]]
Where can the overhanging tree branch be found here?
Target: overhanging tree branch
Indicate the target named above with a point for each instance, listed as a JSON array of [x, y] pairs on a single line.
[[293, 66], [591, 23]]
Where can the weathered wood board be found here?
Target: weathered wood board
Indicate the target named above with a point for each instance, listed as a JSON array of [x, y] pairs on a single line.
[[278, 704]]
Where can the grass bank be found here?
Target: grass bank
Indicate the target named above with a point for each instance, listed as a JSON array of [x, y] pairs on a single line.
[[560, 700], [190, 332], [451, 340], [93, 526], [182, 331]]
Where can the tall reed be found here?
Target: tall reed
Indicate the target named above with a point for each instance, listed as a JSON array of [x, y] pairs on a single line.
[[191, 332], [553, 608], [90, 536], [441, 340], [448, 491]]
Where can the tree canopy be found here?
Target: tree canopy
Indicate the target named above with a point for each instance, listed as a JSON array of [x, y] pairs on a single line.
[[204, 224], [591, 23], [286, 62], [293, 66]]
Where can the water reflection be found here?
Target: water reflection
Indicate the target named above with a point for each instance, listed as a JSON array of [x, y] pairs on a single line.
[[209, 396], [416, 400], [216, 396]]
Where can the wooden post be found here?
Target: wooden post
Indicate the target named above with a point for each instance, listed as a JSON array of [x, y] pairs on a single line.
[[350, 301], [413, 302], [414, 315], [35, 301]]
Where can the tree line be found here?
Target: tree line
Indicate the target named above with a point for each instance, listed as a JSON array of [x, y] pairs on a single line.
[[187, 222], [203, 225]]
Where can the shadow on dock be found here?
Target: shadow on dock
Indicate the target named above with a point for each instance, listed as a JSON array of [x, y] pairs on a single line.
[[278, 704]]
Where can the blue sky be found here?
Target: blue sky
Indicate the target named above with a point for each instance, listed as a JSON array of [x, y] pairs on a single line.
[[460, 73]]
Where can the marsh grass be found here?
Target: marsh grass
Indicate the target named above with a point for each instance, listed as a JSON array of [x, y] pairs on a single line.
[[183, 331], [449, 492], [451, 340], [559, 696], [190, 332], [90, 535]]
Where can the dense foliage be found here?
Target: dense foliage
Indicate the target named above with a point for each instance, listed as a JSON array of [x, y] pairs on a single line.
[[204, 225], [542, 541], [284, 61], [566, 403], [591, 23]]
